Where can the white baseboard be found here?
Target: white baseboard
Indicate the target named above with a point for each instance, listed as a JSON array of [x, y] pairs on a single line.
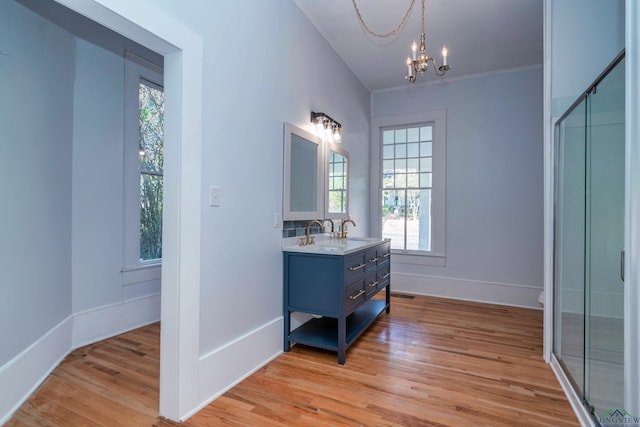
[[225, 367], [107, 321], [574, 400], [20, 377], [468, 290]]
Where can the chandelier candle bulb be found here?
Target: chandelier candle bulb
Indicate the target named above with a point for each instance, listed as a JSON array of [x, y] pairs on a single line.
[[409, 66], [414, 49], [444, 55]]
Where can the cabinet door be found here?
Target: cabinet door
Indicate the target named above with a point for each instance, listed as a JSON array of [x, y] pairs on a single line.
[[312, 284]]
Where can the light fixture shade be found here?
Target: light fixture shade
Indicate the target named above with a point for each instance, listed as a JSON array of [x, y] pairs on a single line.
[[326, 127], [337, 134]]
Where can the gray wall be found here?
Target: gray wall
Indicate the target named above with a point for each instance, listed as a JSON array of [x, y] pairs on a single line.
[[36, 117], [494, 241]]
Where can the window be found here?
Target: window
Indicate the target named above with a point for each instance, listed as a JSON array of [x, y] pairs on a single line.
[[337, 181], [143, 170], [408, 165], [151, 108], [406, 186]]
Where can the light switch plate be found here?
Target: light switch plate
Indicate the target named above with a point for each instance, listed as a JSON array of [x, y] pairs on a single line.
[[214, 196]]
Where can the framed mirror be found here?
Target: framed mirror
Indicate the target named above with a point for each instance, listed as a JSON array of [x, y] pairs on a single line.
[[303, 175]]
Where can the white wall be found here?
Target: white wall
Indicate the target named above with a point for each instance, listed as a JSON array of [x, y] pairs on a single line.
[[264, 64], [290, 71], [582, 37], [35, 180], [62, 179], [35, 177], [576, 56], [586, 36], [97, 176], [493, 187], [102, 297]]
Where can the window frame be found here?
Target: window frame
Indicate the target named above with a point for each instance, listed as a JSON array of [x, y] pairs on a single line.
[[137, 70], [436, 118]]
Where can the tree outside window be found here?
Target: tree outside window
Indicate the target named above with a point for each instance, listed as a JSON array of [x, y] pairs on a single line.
[[151, 137]]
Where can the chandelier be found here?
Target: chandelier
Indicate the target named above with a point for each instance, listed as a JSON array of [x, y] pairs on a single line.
[[415, 63], [420, 63]]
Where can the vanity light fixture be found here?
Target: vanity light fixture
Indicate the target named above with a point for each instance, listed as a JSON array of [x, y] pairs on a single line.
[[326, 127]]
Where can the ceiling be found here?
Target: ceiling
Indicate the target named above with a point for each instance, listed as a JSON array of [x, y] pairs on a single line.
[[482, 36]]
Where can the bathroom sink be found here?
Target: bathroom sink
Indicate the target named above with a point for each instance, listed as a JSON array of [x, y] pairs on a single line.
[[332, 246]]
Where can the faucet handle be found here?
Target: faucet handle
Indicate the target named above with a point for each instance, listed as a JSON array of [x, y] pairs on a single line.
[[301, 243]]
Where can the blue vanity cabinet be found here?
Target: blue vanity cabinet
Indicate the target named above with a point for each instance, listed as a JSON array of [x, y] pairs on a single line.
[[339, 288]]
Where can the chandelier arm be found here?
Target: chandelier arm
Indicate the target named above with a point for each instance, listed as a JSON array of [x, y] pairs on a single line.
[[395, 30], [438, 70], [441, 70]]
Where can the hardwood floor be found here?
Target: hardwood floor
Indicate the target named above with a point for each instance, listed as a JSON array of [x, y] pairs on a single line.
[[430, 362]]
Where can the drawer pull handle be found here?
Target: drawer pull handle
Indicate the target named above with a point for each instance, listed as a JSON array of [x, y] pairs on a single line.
[[362, 291], [373, 284], [385, 276], [357, 267], [386, 255], [374, 259]]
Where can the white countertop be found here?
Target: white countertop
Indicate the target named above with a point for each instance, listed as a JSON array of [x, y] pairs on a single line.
[[328, 246]]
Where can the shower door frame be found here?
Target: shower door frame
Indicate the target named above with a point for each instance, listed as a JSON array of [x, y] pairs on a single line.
[[631, 224]]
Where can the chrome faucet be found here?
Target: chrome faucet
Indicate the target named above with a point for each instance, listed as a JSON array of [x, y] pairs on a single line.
[[310, 239], [343, 232]]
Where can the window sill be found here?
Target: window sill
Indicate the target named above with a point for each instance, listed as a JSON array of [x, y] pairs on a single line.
[[141, 273], [418, 258]]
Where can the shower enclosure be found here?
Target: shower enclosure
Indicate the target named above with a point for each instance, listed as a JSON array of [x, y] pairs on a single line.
[[589, 240]]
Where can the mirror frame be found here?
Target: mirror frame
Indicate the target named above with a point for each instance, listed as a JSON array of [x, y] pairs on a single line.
[[287, 213], [336, 148]]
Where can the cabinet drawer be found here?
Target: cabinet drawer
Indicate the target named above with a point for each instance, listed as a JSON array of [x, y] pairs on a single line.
[[354, 295], [384, 254], [383, 275], [372, 259], [354, 266], [371, 284]]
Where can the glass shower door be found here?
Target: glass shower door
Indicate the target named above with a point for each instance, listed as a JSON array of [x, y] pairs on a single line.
[[604, 234], [570, 245], [589, 239]]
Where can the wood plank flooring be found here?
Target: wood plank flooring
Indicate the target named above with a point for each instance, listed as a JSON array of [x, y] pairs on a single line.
[[430, 362]]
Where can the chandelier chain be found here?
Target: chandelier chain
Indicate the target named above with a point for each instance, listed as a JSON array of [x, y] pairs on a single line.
[[423, 16], [395, 30]]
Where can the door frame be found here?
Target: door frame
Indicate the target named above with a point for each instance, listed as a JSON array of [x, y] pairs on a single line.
[[146, 24]]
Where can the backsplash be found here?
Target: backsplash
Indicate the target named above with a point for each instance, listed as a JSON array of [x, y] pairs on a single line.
[[299, 228]]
